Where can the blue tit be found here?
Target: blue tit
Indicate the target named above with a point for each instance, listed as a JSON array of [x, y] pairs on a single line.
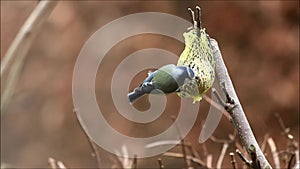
[[166, 79]]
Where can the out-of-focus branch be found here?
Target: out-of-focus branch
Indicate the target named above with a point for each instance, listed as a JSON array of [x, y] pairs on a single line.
[[20, 47], [238, 116]]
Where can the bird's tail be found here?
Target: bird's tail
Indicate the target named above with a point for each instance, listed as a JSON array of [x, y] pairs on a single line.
[[133, 96]]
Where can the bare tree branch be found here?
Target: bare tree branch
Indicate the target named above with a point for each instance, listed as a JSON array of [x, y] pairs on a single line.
[[238, 116]]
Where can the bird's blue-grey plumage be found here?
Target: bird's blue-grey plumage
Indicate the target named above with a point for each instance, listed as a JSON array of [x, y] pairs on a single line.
[[166, 79]]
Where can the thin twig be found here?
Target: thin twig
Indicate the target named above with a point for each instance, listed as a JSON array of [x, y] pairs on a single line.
[[217, 106], [233, 135], [52, 163], [61, 165], [233, 160], [194, 153], [222, 154], [292, 149], [281, 124], [134, 162], [255, 162], [186, 144], [297, 157], [290, 161], [180, 155], [173, 118], [124, 157], [20, 47], [297, 165], [239, 119], [274, 152], [228, 103], [95, 151], [28, 30], [222, 141], [186, 161], [163, 142], [224, 148], [204, 150], [219, 98], [240, 147], [244, 159], [92, 144], [160, 163], [56, 164], [117, 163], [264, 143], [209, 159]]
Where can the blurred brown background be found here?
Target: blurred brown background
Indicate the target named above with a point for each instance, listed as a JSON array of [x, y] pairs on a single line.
[[260, 46]]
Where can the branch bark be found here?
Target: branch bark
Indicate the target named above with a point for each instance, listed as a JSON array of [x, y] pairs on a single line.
[[238, 116]]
